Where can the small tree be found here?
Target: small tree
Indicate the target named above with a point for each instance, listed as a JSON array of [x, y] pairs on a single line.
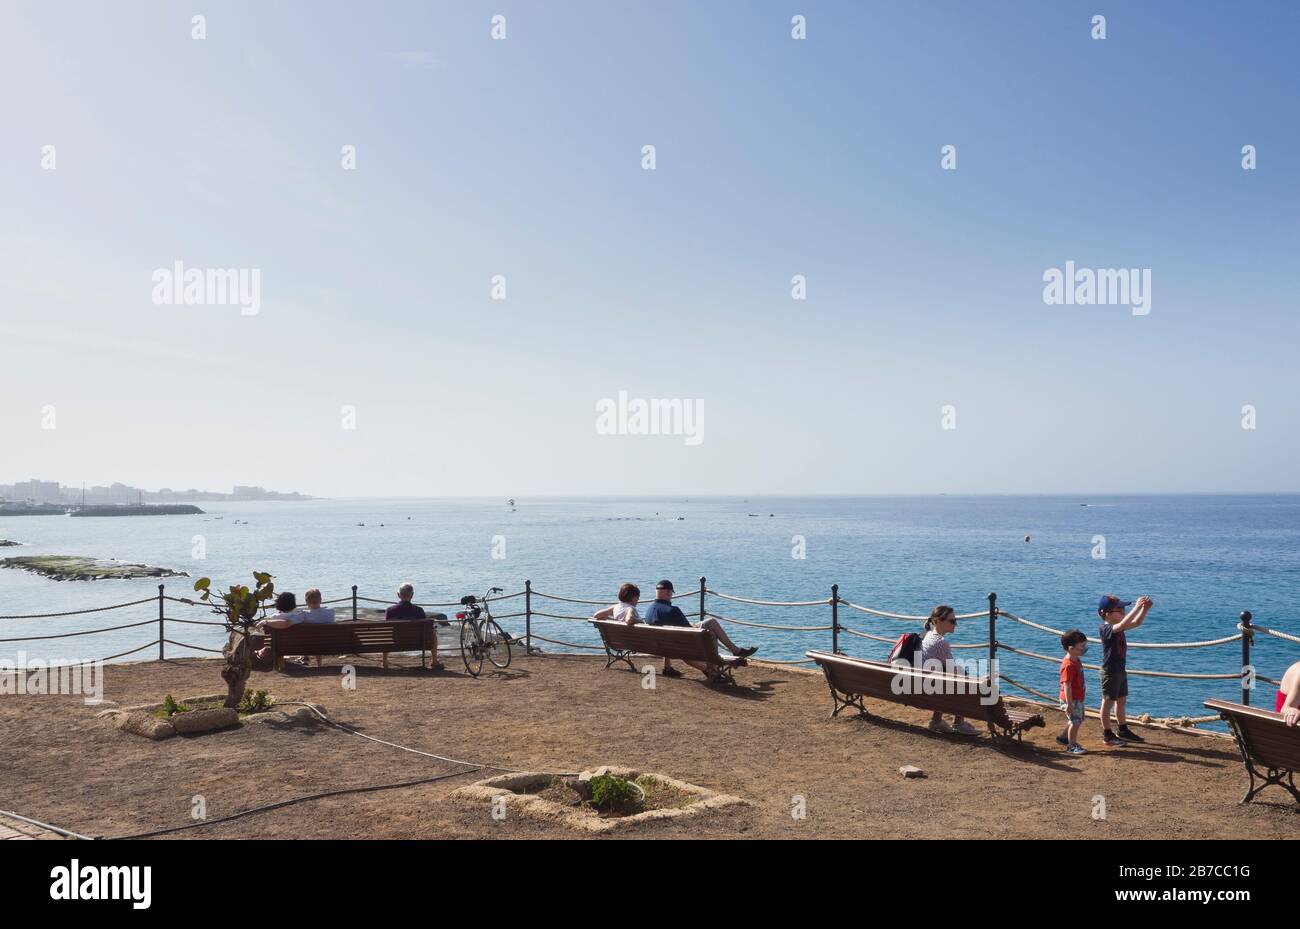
[[238, 609]]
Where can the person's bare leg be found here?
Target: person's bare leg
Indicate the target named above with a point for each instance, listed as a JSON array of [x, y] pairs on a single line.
[[720, 634], [1120, 718]]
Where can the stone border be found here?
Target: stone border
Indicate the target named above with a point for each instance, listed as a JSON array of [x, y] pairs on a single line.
[[140, 719], [535, 807]]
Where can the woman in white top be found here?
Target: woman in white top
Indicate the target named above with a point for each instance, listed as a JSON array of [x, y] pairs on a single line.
[[286, 615], [935, 649], [629, 595]]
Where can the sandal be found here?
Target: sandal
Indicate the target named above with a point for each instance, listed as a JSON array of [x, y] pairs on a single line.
[[671, 672]]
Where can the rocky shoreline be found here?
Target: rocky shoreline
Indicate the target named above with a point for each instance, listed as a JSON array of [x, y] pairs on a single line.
[[79, 568]]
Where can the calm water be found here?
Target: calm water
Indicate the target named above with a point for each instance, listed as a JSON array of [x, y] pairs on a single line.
[[1203, 559]]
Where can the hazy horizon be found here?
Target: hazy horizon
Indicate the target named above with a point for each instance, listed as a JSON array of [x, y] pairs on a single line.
[[462, 256]]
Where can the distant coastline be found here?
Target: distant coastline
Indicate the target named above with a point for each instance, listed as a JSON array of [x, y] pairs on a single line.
[[28, 496]]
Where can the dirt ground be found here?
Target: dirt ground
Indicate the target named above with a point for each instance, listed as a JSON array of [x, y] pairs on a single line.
[[771, 741]]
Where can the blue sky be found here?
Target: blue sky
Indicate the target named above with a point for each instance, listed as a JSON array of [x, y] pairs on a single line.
[[775, 157]]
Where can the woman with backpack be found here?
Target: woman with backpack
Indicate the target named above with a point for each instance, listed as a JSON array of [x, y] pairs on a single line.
[[936, 655]]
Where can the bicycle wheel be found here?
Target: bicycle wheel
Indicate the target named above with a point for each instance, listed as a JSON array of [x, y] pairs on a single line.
[[497, 644], [470, 649]]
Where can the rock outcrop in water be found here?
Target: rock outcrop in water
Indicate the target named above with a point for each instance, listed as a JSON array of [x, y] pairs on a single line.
[[79, 568]]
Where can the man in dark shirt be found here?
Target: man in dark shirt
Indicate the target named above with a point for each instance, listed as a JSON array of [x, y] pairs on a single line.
[[405, 609], [1114, 672], [663, 613]]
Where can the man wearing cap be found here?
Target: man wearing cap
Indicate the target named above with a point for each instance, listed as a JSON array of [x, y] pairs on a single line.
[[1114, 676], [663, 613]]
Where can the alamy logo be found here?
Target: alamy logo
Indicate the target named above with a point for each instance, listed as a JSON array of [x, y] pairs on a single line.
[[651, 417], [68, 677], [972, 676], [181, 286], [103, 882], [1113, 286]]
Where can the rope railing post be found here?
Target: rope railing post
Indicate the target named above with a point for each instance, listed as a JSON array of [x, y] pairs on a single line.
[[354, 608], [528, 617], [701, 601], [1246, 634], [993, 632], [162, 655], [835, 619]]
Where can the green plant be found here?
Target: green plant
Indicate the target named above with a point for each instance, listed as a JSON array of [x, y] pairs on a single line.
[[170, 707], [238, 608], [613, 794], [254, 701]]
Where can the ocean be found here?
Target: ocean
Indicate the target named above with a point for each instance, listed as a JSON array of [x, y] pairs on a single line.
[[1203, 559]]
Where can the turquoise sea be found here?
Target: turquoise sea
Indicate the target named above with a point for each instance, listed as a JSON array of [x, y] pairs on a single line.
[[1203, 558]]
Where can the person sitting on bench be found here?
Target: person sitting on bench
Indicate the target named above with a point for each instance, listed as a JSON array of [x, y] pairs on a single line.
[[405, 609], [663, 613], [1288, 695], [315, 613], [629, 595], [286, 615], [936, 655]]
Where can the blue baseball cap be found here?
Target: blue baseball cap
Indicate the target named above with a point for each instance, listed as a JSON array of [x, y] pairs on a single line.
[[1111, 602]]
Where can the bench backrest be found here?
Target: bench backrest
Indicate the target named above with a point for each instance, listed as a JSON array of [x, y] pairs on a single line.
[[352, 637], [929, 690], [1265, 737], [664, 641]]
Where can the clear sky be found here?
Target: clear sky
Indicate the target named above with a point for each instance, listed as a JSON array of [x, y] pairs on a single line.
[[775, 157]]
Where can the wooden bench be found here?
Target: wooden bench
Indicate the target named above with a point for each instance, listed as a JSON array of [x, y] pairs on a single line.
[[1265, 740], [352, 637], [852, 679], [684, 643]]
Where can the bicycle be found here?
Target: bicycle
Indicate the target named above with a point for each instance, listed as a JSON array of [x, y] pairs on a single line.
[[480, 636]]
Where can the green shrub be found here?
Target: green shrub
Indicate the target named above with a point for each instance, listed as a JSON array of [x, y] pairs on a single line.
[[254, 701], [170, 707], [613, 794]]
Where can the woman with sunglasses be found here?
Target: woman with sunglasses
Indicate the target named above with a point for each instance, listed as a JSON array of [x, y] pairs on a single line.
[[937, 653]]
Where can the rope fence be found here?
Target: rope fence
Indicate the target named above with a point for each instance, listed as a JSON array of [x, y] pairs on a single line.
[[699, 610]]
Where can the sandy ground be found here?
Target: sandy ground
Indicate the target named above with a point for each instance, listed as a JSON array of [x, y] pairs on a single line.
[[769, 741]]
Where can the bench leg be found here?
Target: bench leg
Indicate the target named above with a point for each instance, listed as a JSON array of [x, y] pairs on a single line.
[[841, 703], [721, 674], [385, 660], [615, 656]]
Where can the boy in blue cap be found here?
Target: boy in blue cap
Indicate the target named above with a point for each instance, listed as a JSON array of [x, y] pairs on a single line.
[[1114, 674]]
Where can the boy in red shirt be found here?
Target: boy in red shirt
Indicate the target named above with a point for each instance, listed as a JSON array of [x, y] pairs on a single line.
[[1075, 644]]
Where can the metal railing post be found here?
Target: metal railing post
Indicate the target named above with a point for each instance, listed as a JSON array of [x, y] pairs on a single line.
[[162, 654], [528, 616], [993, 632], [835, 619], [354, 610], [701, 601], [1246, 635]]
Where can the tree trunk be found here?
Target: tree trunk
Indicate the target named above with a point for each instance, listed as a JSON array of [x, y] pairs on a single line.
[[238, 667]]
